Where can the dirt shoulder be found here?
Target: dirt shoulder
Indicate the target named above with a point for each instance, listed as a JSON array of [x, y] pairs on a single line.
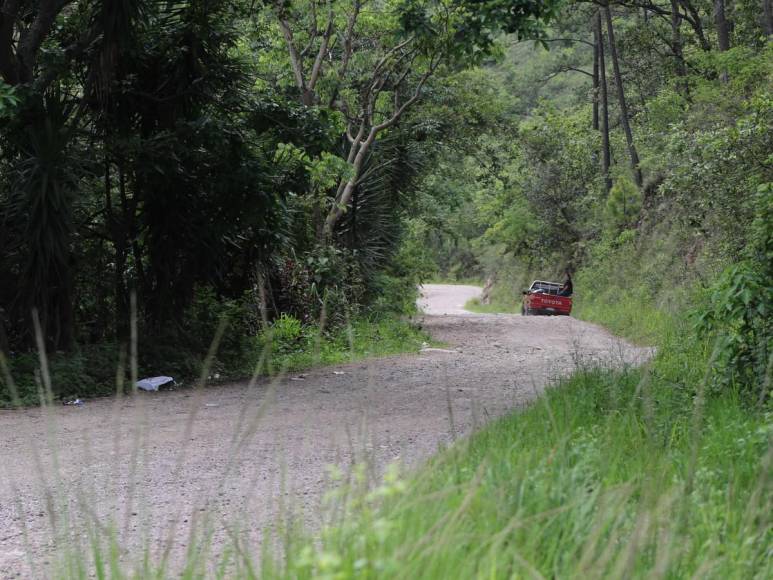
[[233, 455]]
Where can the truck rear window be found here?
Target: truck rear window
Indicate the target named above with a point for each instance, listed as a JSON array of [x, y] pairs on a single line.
[[546, 287]]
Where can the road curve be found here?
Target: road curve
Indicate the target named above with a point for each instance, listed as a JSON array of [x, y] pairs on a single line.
[[446, 299], [232, 456]]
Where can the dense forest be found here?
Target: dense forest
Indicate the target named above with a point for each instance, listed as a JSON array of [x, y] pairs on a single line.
[[178, 163]]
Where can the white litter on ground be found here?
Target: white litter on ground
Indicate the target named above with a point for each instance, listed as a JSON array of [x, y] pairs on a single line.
[[153, 383]]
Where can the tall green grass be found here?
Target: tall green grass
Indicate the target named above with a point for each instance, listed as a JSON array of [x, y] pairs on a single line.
[[604, 477], [493, 307]]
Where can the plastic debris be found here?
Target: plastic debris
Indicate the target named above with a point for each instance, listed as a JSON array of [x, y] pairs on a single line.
[[75, 403], [339, 373], [445, 350], [153, 383]]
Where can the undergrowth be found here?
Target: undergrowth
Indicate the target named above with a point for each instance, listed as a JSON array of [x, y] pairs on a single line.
[[286, 345]]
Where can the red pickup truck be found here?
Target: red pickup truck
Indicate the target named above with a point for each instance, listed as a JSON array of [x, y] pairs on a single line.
[[544, 298]]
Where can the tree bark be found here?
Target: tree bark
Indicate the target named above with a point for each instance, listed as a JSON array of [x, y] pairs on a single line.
[[9, 12], [677, 49], [723, 31], [605, 153], [595, 81], [637, 176], [5, 345], [723, 27], [32, 38], [767, 17]]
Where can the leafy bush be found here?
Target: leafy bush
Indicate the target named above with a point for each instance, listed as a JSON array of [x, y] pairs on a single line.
[[327, 279], [285, 332], [739, 311], [623, 205], [8, 99], [739, 318], [90, 370]]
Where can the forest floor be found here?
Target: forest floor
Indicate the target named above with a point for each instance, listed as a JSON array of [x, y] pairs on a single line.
[[229, 460]]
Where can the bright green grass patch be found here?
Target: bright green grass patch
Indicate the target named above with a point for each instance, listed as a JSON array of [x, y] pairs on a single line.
[[637, 290], [625, 314], [604, 477], [475, 305], [363, 338], [504, 298]]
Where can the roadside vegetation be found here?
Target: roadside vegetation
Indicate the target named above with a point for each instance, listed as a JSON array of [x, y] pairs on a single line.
[[294, 169], [179, 164], [286, 345], [610, 474], [655, 190], [510, 304]]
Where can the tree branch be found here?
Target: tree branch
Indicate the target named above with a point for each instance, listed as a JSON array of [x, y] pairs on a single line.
[[32, 38], [580, 40], [415, 97], [323, 46], [348, 48], [563, 70], [9, 12], [296, 61]]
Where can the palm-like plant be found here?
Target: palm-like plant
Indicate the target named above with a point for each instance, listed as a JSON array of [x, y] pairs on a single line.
[[43, 186]]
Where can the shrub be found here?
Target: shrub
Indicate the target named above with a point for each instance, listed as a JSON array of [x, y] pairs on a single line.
[[90, 370], [623, 205], [739, 310], [286, 333]]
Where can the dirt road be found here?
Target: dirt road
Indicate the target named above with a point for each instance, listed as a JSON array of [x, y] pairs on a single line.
[[151, 466]]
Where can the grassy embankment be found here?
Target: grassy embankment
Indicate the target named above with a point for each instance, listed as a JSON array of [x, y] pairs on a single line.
[[613, 473], [599, 479]]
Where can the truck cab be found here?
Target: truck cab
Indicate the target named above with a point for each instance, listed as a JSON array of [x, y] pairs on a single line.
[[544, 298]]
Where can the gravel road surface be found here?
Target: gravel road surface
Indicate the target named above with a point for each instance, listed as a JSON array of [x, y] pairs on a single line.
[[153, 467]]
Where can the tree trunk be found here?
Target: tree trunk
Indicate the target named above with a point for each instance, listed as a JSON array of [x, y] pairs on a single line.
[[115, 228], [353, 227], [595, 82], [723, 27], [5, 345], [9, 12], [723, 31], [676, 47], [605, 153], [357, 153], [767, 17], [621, 99]]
